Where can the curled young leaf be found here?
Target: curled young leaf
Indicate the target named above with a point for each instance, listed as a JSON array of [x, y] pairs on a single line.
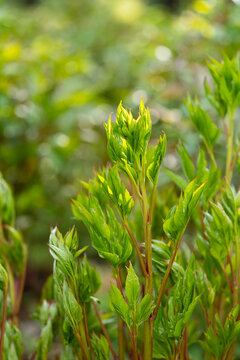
[[203, 123], [156, 159]]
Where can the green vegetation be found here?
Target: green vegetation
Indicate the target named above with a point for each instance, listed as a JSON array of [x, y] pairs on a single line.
[[64, 67], [174, 257]]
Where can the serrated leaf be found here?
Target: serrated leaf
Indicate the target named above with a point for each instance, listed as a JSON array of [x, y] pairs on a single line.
[[108, 237], [187, 164], [72, 309], [118, 304], [144, 310], [132, 287], [100, 347]]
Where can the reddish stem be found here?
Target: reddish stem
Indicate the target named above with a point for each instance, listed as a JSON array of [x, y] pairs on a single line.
[[104, 331]]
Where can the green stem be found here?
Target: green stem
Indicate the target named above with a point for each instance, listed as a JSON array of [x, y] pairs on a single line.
[[84, 340], [140, 258], [148, 325], [229, 169], [83, 332], [152, 202], [134, 183], [120, 322], [4, 317], [166, 275], [133, 337], [211, 154], [120, 340], [231, 267]]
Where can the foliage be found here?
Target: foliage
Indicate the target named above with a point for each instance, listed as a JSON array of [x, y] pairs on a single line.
[[64, 66], [164, 300]]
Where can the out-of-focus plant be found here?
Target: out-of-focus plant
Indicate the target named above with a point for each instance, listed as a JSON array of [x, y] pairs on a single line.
[[168, 296], [13, 256]]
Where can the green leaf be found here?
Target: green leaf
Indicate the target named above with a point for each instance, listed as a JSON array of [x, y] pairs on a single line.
[[204, 288], [88, 281], [71, 240], [180, 325], [144, 310], [156, 159], [128, 139], [225, 95], [219, 229], [177, 179], [218, 341], [14, 249], [186, 162], [12, 346], [108, 237], [72, 309], [116, 191], [177, 219], [213, 183], [64, 258], [3, 278], [203, 123], [132, 287], [119, 305], [7, 212], [100, 347], [48, 315], [202, 172], [80, 252]]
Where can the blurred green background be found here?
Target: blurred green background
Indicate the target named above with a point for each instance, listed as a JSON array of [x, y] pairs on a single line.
[[64, 67]]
